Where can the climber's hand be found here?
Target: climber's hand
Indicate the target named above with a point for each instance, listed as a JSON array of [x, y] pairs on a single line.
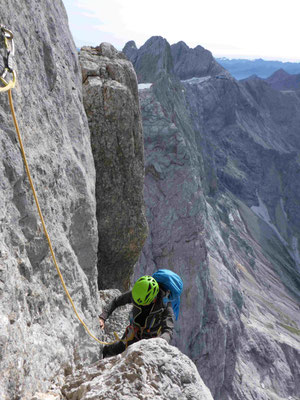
[[101, 322]]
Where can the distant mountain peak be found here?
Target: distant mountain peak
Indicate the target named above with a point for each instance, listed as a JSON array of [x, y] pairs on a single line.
[[131, 44], [279, 74], [130, 50], [243, 68], [155, 40], [157, 55], [282, 80]]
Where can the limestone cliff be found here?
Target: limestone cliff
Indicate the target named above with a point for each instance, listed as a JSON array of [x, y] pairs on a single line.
[[112, 106], [40, 336]]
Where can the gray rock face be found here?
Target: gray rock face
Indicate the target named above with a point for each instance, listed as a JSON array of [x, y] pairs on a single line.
[[149, 369], [172, 177], [39, 333], [221, 161], [112, 107], [250, 136], [131, 51], [197, 62], [119, 319], [156, 56], [176, 211], [247, 139], [151, 59]]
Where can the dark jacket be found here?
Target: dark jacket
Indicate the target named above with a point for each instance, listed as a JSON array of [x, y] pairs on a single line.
[[157, 319]]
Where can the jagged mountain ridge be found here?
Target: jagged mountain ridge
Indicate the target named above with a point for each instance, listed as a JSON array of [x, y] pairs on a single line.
[[157, 56], [221, 191], [280, 80]]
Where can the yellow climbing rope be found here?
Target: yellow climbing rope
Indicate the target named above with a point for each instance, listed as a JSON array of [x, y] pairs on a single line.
[[8, 86]]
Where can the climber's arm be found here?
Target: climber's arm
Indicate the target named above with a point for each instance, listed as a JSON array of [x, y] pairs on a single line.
[[167, 323], [115, 303]]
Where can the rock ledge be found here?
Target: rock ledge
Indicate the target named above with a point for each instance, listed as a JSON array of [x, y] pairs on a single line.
[[149, 369]]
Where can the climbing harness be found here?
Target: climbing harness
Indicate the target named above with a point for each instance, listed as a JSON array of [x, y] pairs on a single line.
[[7, 38], [135, 332]]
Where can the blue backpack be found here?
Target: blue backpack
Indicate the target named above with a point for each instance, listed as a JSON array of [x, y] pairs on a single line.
[[172, 282]]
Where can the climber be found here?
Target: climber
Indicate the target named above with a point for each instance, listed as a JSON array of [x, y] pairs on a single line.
[[152, 314]]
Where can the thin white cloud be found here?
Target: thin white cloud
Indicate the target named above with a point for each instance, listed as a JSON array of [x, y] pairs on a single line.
[[258, 27]]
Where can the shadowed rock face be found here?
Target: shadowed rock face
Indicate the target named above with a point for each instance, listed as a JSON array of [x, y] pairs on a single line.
[[177, 213], [197, 62], [131, 51], [222, 199], [112, 107], [39, 334], [151, 59], [149, 369]]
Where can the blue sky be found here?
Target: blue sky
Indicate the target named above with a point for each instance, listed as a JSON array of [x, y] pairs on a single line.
[[266, 29]]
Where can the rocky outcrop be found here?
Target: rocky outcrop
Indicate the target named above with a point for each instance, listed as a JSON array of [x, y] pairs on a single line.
[[146, 370], [156, 56], [40, 336], [149, 369], [112, 106]]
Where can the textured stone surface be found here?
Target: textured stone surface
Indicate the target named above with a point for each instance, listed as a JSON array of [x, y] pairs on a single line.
[[176, 211], [119, 319], [175, 202], [149, 369], [112, 107], [39, 334]]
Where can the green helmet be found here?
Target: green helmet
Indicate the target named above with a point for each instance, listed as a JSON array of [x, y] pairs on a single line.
[[145, 290]]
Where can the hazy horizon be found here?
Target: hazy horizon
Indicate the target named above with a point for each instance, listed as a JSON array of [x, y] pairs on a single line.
[[220, 27]]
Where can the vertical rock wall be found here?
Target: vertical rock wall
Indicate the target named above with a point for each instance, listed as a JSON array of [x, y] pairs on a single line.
[[39, 334], [112, 106], [175, 206]]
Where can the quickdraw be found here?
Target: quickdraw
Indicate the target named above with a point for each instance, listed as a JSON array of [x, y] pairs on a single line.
[[6, 37]]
